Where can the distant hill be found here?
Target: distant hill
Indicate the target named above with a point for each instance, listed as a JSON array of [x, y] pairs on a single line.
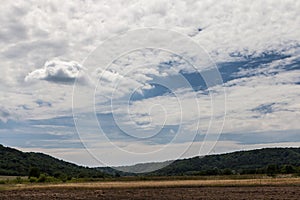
[[18, 163], [268, 160], [142, 168], [260, 161]]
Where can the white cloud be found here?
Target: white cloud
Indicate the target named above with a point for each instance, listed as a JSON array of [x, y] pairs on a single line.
[[59, 72]]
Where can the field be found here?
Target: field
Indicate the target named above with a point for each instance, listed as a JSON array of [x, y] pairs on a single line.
[[271, 188]]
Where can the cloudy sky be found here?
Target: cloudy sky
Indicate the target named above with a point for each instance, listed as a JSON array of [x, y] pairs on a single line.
[[150, 104]]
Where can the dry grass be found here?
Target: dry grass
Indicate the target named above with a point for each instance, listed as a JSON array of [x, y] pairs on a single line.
[[10, 177], [167, 183]]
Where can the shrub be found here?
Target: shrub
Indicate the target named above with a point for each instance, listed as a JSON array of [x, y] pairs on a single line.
[[288, 169], [51, 179], [18, 180], [227, 172], [33, 179], [42, 178]]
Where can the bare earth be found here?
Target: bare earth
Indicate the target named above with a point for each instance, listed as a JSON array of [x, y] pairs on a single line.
[[263, 192], [221, 189]]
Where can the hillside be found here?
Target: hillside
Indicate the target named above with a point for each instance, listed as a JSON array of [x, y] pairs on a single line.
[[268, 160], [17, 163], [260, 161]]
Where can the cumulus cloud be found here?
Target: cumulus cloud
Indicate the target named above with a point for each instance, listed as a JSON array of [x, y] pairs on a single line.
[[58, 71]]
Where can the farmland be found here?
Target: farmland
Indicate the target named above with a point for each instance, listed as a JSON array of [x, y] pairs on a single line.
[[265, 188]]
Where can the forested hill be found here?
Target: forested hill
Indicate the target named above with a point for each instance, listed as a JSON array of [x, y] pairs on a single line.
[[260, 161], [18, 163]]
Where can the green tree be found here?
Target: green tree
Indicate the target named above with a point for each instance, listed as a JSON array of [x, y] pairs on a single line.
[[34, 172], [288, 169], [272, 170]]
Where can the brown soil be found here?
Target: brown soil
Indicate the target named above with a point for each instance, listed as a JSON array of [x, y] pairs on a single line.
[[187, 192]]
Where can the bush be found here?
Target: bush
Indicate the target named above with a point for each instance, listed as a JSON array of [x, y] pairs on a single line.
[[63, 178], [288, 169], [227, 172], [51, 179], [42, 178], [33, 179], [18, 180]]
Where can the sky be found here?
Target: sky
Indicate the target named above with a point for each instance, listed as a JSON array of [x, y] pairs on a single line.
[[121, 82]]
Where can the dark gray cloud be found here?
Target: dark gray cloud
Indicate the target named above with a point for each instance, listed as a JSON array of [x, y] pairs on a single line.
[[42, 103]]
